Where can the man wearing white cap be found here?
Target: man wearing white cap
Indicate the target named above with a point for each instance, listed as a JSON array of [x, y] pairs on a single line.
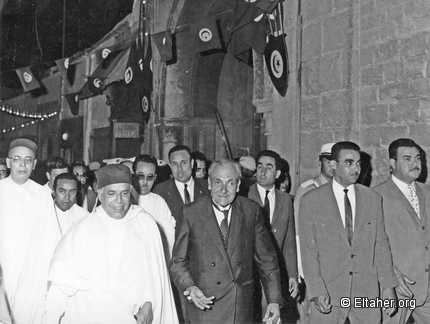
[[29, 233], [110, 266], [326, 173]]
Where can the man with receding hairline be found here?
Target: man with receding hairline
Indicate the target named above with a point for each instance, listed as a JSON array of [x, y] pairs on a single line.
[[29, 233]]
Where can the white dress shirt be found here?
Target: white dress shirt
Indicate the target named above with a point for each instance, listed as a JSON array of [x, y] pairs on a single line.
[[340, 196], [271, 196], [219, 213], [190, 188]]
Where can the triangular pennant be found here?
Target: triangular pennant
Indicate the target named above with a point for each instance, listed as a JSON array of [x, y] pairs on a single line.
[[163, 41], [104, 52], [252, 35], [67, 71], [244, 13], [73, 102], [205, 36], [27, 78], [267, 5], [276, 58]]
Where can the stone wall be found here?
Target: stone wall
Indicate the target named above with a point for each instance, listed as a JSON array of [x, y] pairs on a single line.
[[365, 77]]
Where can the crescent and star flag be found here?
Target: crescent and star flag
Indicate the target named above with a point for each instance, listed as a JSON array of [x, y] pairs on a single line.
[[67, 71], [163, 41], [146, 66], [73, 102], [104, 52], [275, 55], [205, 36], [27, 78], [133, 67]]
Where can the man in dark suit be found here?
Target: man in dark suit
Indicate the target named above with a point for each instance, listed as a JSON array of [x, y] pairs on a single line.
[[217, 240], [183, 188], [345, 249], [407, 217], [279, 216]]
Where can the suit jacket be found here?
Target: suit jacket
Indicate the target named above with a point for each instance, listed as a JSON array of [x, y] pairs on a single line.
[[331, 265], [171, 195], [282, 229], [409, 236], [200, 259]]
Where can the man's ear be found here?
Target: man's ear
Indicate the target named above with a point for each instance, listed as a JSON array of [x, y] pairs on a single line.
[[209, 183], [34, 164], [278, 173], [392, 164], [8, 162], [192, 163], [48, 176], [238, 185]]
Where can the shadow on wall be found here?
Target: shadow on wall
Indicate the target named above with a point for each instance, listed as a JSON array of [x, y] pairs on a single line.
[[365, 177], [424, 171]]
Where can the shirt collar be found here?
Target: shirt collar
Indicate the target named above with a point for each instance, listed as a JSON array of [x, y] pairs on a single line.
[[181, 184], [337, 187], [402, 185], [220, 208]]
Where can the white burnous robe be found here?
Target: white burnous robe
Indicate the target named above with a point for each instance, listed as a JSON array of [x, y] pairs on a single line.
[[105, 269], [67, 218], [157, 207], [29, 233]]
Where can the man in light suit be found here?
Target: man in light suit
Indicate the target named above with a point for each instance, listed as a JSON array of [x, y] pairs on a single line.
[[279, 217], [217, 240], [407, 216], [183, 188], [344, 246]]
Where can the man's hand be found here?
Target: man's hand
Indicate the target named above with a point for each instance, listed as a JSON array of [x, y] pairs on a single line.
[[391, 295], [273, 314], [293, 287], [322, 304], [144, 315], [402, 288], [195, 295]]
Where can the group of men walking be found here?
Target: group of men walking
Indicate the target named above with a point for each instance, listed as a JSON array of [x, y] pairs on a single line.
[[362, 254]]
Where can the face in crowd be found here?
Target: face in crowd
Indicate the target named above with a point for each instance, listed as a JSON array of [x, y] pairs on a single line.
[[116, 199], [266, 172], [145, 173], [201, 169], [21, 162], [326, 168], [407, 165], [181, 165], [3, 171], [81, 173], [224, 181], [54, 173], [347, 167], [65, 194]]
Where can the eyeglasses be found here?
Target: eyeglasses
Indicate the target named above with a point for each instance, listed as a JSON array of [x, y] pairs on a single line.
[[83, 175], [148, 177], [19, 159]]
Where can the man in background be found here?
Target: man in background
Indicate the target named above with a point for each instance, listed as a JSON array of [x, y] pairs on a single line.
[[145, 173], [54, 167], [200, 165], [3, 169], [66, 187]]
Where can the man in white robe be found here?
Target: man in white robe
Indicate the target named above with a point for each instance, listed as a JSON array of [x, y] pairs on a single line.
[[109, 268], [145, 173], [65, 189], [29, 233]]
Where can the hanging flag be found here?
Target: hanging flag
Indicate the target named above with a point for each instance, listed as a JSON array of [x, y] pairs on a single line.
[[267, 5], [144, 97], [275, 55], [104, 52], [73, 102], [245, 12], [205, 36], [133, 67], [27, 78], [146, 65], [163, 41], [67, 71]]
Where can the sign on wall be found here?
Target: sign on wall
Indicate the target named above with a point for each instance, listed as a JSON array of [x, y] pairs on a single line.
[[126, 130]]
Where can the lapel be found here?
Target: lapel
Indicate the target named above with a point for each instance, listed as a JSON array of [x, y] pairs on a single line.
[[198, 190], [398, 195], [235, 227], [212, 227], [174, 193], [277, 213], [360, 213], [254, 195], [333, 211]]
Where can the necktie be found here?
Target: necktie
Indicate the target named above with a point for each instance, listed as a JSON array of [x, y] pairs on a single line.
[[413, 199], [266, 206], [224, 223], [348, 217], [186, 195]]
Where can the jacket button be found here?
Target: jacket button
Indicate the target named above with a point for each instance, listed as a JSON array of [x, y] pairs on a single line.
[[352, 255], [233, 281], [218, 283], [213, 264], [274, 230], [239, 263], [350, 273]]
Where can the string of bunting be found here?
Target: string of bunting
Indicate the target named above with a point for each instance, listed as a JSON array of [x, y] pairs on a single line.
[[25, 114], [33, 122]]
